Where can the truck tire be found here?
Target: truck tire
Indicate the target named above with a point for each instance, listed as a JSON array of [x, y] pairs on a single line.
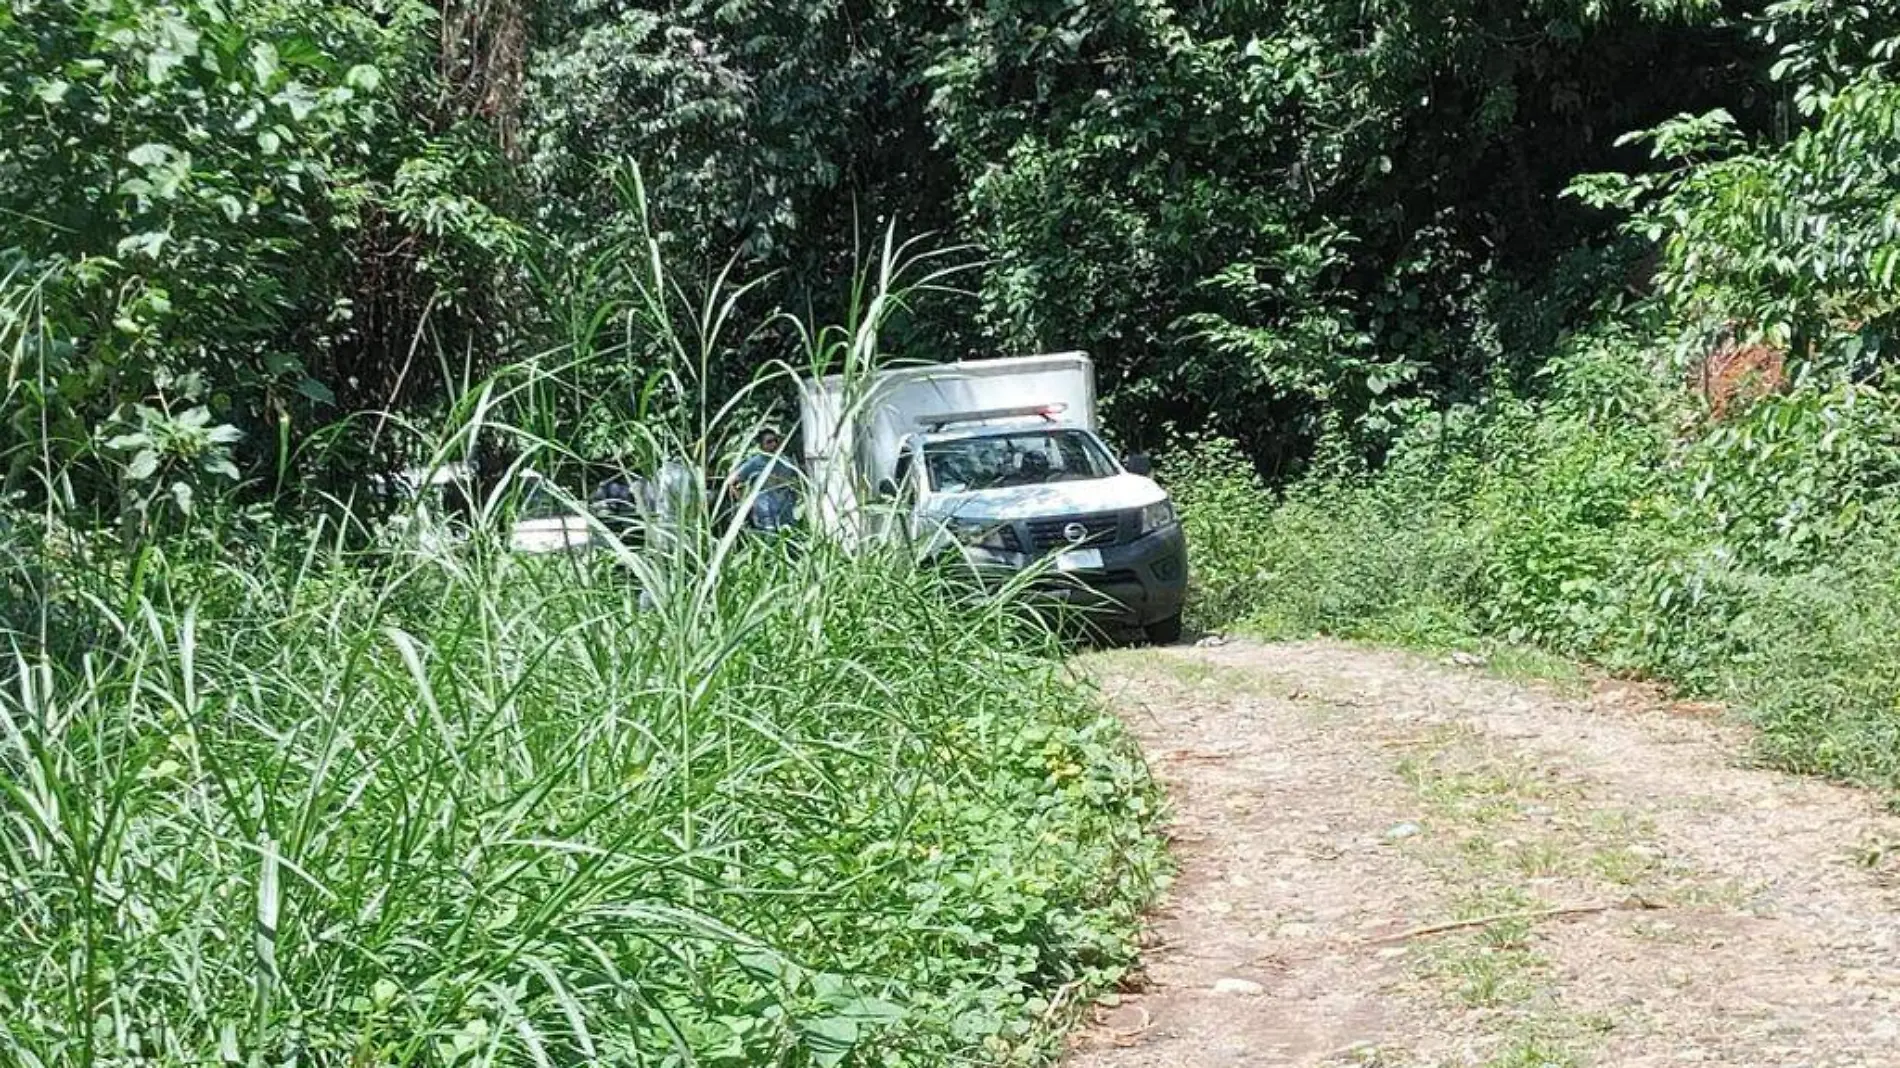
[[1164, 631]]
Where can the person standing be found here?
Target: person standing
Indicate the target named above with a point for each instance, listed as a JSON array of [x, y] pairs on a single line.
[[616, 501], [776, 479]]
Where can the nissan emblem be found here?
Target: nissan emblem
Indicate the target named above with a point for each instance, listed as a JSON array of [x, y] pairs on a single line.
[[1076, 533]]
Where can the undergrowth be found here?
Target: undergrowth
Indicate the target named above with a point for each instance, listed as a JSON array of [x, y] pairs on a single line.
[[487, 810], [277, 789], [1612, 519]]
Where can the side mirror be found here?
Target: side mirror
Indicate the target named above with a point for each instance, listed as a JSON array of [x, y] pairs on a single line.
[[1139, 464], [887, 489]]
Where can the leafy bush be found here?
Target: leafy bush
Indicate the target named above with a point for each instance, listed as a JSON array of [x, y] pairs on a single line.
[[1277, 565], [1786, 238], [228, 217], [1223, 504]]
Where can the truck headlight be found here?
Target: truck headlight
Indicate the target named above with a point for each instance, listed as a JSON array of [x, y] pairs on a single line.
[[1155, 517], [984, 534]]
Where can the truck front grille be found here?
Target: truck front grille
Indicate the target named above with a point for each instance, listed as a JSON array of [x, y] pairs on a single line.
[[1053, 533]]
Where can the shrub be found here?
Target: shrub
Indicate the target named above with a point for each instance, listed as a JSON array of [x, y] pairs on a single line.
[[1745, 558], [269, 798], [1223, 504], [1327, 556]]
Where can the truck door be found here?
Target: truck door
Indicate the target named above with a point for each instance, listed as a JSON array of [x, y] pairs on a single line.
[[909, 493]]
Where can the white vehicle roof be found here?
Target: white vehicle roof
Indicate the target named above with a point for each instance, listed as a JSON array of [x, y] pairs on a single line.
[[437, 476], [893, 401]]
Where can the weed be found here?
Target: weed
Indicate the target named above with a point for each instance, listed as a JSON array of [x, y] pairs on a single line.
[[1523, 663], [1622, 865], [1533, 1052], [1488, 792], [1487, 978], [1540, 858], [1216, 678]]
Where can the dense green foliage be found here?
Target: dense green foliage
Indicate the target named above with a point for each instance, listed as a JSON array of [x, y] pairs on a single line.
[[1275, 221], [1272, 220], [222, 221], [1793, 239], [1735, 537], [278, 791], [1749, 561], [1284, 223]]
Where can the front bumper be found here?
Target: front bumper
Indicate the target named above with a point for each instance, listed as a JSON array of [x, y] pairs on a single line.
[[1140, 582]]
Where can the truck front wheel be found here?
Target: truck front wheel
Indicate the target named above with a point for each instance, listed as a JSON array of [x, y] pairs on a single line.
[[1164, 631]]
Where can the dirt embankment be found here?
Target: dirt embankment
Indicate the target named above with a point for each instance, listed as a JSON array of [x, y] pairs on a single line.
[[1391, 861]]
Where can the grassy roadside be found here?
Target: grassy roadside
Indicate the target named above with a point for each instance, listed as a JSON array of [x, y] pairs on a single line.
[[1510, 842], [484, 809], [1745, 559]]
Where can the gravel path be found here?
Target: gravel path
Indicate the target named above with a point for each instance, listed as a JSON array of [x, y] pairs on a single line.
[[1632, 893]]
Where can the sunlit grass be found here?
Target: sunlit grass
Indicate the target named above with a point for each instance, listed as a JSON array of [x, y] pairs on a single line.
[[266, 797]]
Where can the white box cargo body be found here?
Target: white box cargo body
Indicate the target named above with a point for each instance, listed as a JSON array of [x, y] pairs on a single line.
[[852, 435]]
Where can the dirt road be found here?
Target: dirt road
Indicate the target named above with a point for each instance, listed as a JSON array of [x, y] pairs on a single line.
[[1335, 807]]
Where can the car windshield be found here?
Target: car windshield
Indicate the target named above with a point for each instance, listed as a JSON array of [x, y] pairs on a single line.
[[1029, 458]]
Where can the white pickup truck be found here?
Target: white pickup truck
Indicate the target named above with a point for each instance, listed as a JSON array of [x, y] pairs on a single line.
[[1001, 457]]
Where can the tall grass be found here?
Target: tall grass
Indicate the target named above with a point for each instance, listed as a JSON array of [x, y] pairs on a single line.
[[268, 799]]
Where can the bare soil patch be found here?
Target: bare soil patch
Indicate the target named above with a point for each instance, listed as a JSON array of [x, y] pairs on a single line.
[[1387, 860]]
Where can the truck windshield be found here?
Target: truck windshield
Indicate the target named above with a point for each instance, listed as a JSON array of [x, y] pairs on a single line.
[[1029, 458]]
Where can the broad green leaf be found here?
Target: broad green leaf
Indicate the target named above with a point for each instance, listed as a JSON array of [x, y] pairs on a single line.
[[152, 154], [298, 99], [142, 466], [178, 43], [149, 243], [316, 391], [264, 64], [302, 52], [829, 1039]]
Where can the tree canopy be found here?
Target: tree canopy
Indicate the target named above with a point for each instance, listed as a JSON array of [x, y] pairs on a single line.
[[228, 224]]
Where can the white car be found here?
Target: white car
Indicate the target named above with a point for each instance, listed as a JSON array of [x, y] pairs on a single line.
[[545, 521]]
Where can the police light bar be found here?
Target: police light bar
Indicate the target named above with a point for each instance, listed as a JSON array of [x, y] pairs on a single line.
[[1047, 412]]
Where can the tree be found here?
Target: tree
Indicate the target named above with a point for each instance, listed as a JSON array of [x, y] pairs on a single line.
[[205, 211], [1789, 239], [1272, 219]]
